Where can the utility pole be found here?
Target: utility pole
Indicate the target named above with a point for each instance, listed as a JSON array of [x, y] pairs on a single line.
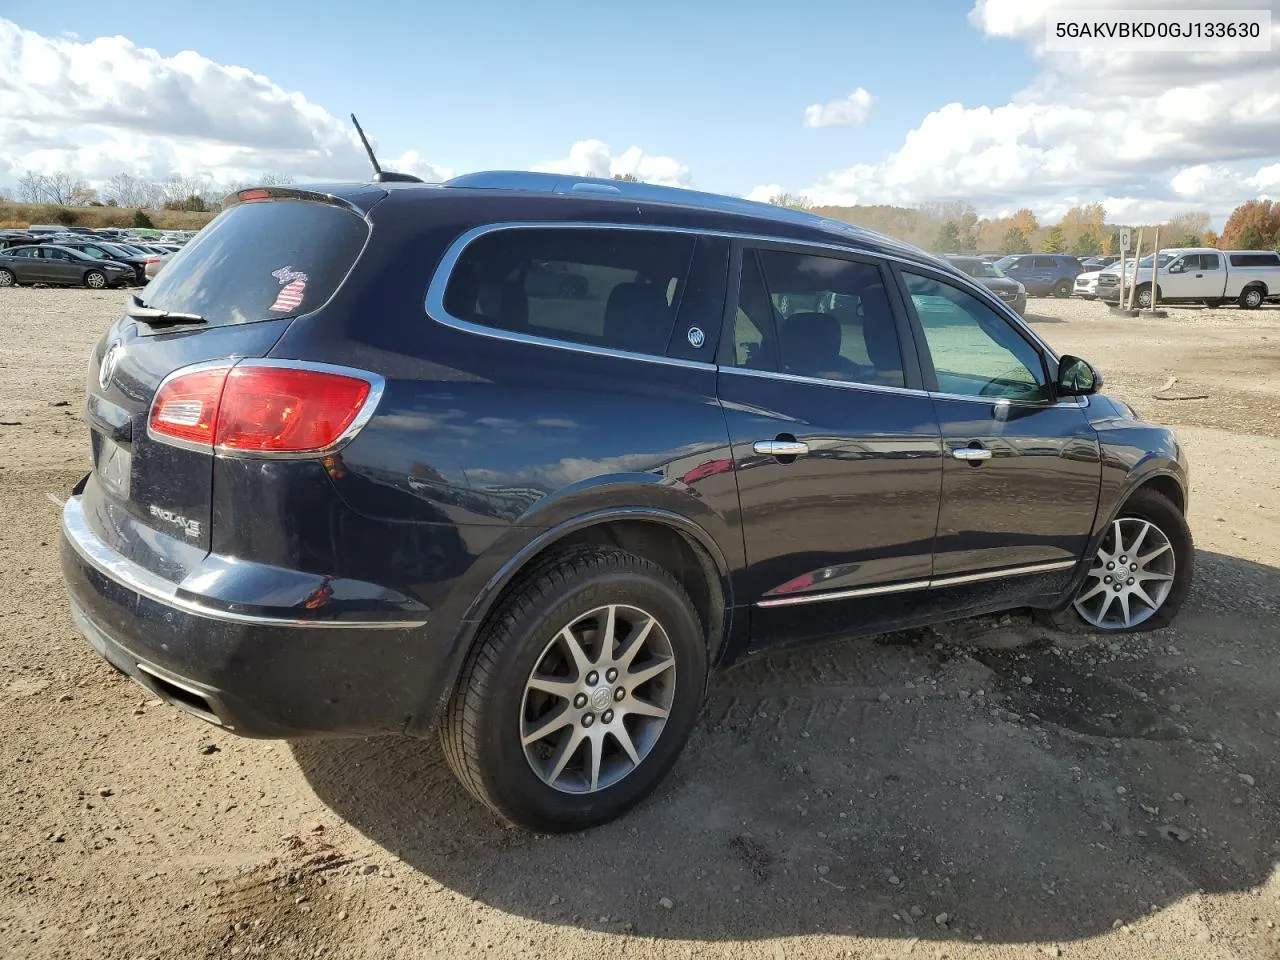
[[1137, 261], [1155, 271]]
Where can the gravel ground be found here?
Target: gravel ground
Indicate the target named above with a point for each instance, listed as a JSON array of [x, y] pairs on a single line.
[[980, 790]]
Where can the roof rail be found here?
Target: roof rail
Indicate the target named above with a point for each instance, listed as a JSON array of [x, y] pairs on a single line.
[[653, 193]]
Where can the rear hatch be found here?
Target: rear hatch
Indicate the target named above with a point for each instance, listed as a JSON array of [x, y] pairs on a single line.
[[230, 293]]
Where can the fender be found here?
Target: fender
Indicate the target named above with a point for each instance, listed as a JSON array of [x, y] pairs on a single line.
[[454, 629], [1107, 513]]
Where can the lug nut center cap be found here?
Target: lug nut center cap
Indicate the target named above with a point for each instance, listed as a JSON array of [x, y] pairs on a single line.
[[601, 697]]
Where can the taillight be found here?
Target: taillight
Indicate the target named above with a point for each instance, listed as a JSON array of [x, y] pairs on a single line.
[[263, 408], [185, 408]]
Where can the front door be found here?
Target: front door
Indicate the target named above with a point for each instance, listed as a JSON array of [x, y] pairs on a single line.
[[1022, 469], [1182, 279], [835, 445]]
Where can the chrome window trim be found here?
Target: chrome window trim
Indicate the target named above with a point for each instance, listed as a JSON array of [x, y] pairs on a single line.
[[823, 382], [96, 553], [444, 271], [930, 584], [377, 386]]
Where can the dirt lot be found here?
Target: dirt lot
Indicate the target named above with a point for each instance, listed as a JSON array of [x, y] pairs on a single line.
[[984, 790]]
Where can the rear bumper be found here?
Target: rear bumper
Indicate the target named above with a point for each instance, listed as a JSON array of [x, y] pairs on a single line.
[[259, 675]]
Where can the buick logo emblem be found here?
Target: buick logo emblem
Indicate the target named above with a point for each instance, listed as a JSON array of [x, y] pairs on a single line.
[[696, 337], [600, 698], [110, 360]]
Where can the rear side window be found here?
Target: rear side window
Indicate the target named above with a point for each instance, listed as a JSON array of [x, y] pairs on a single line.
[[261, 261], [1255, 259], [616, 289], [1210, 261]]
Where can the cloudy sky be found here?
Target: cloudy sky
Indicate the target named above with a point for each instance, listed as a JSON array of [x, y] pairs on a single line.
[[857, 101]]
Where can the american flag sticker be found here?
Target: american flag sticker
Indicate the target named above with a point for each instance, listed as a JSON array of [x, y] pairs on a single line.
[[294, 289]]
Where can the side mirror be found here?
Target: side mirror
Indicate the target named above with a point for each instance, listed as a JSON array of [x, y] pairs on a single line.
[[1178, 267], [1077, 378]]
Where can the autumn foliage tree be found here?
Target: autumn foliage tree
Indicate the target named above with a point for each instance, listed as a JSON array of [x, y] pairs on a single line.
[[1055, 241], [1254, 225]]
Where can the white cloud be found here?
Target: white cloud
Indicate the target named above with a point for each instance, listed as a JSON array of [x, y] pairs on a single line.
[[593, 158], [108, 106], [765, 192], [844, 112], [1139, 128]]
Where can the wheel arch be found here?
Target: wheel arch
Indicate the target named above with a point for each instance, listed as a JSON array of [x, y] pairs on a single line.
[[681, 546]]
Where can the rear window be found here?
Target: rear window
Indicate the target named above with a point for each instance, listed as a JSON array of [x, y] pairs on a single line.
[[1255, 259], [261, 261], [618, 289]]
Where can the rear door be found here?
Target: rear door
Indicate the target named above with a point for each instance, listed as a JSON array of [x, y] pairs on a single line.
[[835, 447], [1021, 469], [252, 270]]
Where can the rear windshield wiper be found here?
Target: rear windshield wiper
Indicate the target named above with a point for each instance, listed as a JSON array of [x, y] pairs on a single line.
[[137, 310]]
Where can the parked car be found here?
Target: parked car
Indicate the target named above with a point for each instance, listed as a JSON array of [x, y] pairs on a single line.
[[1086, 285], [155, 263], [989, 275], [1099, 263], [48, 229], [1043, 274], [1204, 275], [351, 476], [103, 250], [58, 265]]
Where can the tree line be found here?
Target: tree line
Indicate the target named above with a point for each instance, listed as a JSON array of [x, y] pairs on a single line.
[[955, 227], [62, 188]]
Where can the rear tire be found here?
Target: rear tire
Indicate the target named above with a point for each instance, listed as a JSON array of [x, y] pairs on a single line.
[[7, 279], [95, 280], [1251, 299], [523, 678], [1062, 288], [1167, 525]]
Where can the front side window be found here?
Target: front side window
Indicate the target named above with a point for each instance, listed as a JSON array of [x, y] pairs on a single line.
[[617, 289], [816, 316], [975, 351]]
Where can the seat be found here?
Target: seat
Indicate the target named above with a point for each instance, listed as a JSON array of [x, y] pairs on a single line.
[[504, 305], [880, 335], [810, 345], [637, 318]]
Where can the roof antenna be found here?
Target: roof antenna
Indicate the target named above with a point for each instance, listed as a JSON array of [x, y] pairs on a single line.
[[380, 175]]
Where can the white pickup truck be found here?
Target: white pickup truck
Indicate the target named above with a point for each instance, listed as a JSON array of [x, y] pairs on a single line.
[[1200, 275]]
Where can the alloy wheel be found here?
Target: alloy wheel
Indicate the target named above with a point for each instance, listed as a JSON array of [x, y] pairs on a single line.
[[598, 699], [1131, 576], [95, 280], [6, 278]]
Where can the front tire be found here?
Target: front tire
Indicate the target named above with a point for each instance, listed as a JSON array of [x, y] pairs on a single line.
[[1062, 288], [7, 279], [1251, 299], [1142, 571], [95, 280], [580, 692], [1143, 299]]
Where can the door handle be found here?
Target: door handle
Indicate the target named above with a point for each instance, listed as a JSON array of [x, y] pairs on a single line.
[[972, 454], [780, 448]]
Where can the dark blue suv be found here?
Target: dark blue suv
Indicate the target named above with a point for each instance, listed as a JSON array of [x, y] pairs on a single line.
[[526, 458], [1043, 274]]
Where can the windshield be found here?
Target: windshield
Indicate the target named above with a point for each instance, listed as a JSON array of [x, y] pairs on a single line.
[[1165, 260], [261, 260], [1004, 263], [991, 270]]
